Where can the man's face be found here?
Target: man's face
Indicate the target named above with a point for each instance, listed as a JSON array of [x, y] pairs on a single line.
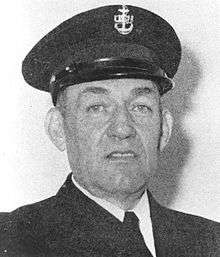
[[112, 131]]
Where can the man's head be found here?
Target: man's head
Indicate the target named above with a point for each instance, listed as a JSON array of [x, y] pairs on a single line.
[[106, 70], [113, 131]]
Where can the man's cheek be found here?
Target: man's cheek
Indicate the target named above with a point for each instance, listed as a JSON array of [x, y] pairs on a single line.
[[90, 133], [86, 143]]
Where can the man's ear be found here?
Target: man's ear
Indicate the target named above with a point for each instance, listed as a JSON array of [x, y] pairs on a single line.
[[54, 128], [166, 128]]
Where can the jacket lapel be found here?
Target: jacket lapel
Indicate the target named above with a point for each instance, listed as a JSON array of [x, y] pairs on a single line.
[[179, 234], [79, 224]]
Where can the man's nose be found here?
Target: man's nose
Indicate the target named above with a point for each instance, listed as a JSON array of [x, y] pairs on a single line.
[[121, 126]]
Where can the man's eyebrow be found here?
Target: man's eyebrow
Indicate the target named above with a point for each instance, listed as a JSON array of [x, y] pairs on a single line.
[[139, 91], [95, 90]]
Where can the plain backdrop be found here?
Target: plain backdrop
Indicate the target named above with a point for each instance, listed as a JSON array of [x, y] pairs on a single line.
[[32, 169]]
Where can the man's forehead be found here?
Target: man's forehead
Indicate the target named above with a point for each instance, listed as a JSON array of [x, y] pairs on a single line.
[[129, 87]]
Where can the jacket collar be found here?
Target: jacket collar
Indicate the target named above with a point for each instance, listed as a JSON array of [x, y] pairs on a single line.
[[174, 232]]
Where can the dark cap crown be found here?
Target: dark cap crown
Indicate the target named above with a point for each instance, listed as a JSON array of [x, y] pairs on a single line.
[[93, 35]]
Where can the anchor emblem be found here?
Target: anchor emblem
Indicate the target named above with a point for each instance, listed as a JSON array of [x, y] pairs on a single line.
[[123, 21]]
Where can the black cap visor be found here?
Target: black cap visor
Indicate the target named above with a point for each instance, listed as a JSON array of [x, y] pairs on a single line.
[[109, 68]]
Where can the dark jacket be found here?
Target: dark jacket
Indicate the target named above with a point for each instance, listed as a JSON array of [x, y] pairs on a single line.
[[70, 224]]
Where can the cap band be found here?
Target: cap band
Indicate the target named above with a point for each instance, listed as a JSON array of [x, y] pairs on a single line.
[[109, 68]]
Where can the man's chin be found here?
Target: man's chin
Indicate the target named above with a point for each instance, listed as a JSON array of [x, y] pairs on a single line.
[[129, 170], [125, 180], [125, 188]]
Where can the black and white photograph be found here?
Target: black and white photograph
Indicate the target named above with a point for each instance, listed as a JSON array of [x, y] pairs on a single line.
[[110, 128]]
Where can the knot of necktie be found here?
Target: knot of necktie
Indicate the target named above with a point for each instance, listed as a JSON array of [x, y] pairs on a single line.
[[131, 221]]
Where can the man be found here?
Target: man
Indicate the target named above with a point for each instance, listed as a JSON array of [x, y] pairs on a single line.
[[106, 70]]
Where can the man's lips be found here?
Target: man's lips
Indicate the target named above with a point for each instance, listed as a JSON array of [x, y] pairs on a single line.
[[122, 155]]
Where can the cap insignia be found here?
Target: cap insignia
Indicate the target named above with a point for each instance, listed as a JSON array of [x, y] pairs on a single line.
[[123, 21]]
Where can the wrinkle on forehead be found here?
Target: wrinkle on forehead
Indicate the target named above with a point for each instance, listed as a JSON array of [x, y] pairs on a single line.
[[118, 88]]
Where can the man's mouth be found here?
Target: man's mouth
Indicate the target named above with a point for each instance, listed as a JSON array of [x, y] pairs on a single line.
[[122, 155]]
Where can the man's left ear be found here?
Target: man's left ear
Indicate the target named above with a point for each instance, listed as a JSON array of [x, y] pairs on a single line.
[[166, 128]]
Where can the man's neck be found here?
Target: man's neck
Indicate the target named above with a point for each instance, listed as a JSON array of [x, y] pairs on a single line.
[[125, 201]]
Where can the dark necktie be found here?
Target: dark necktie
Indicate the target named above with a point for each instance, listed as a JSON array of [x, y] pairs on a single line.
[[136, 246]]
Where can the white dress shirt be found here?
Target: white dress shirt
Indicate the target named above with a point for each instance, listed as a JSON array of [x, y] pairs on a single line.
[[142, 211]]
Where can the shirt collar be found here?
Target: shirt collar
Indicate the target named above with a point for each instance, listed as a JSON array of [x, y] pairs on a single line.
[[142, 209]]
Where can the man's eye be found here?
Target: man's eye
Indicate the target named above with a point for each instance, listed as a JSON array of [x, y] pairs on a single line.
[[96, 108], [141, 108]]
